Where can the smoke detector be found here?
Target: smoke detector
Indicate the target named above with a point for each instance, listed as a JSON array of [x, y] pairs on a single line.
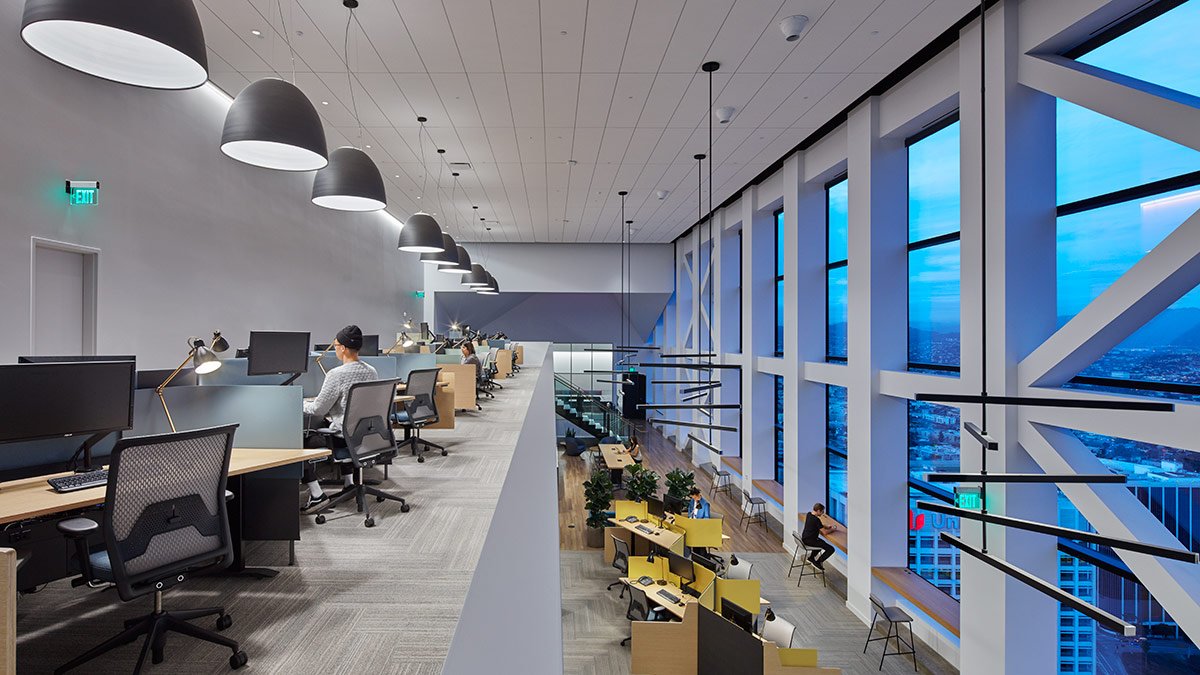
[[792, 26]]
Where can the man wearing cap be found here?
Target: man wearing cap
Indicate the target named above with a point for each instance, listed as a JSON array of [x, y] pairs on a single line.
[[332, 402]]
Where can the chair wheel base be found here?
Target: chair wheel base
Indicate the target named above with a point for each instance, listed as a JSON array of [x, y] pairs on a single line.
[[421, 459], [238, 660], [224, 621], [320, 520], [404, 508], [369, 522], [444, 453]]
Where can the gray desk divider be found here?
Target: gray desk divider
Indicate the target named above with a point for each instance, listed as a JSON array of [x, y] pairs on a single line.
[[456, 357], [406, 363], [233, 372], [269, 417]]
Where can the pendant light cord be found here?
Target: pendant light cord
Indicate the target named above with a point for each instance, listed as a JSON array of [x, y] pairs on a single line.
[[287, 38], [349, 80], [983, 252], [424, 167]]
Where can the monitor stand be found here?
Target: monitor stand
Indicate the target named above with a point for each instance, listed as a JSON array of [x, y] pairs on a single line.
[[86, 451], [290, 380]]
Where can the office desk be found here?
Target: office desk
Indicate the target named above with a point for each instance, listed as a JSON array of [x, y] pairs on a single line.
[[660, 536], [33, 497], [615, 455], [652, 590]]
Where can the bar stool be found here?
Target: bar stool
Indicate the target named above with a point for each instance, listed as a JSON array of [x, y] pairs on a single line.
[[894, 617], [721, 482], [805, 564], [754, 510]]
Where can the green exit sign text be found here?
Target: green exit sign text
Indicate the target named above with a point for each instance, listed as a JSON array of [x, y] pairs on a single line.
[[968, 498], [83, 192]]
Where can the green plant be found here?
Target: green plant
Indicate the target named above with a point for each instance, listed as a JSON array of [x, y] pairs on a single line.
[[642, 483], [597, 495], [680, 483]]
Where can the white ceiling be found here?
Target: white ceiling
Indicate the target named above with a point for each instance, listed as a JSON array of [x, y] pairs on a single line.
[[520, 87]]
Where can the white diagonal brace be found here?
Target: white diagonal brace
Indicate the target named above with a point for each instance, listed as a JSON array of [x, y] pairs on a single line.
[[1161, 277], [1114, 511], [1174, 429], [1160, 110]]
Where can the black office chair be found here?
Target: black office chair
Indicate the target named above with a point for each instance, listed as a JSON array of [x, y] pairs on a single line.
[[164, 519], [419, 412], [481, 379], [640, 610], [895, 617], [490, 370], [367, 430], [620, 562]]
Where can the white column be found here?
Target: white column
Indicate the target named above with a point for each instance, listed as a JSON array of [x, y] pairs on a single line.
[[792, 430], [1006, 626], [758, 331], [877, 280]]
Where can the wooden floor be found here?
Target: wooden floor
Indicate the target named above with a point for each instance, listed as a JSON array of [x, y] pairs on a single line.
[[661, 457]]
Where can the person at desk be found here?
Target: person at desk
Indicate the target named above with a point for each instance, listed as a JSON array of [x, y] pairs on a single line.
[[331, 401], [699, 508], [469, 357], [820, 550], [635, 449]]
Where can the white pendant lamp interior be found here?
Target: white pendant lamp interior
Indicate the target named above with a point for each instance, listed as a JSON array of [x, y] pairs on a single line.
[[158, 45]]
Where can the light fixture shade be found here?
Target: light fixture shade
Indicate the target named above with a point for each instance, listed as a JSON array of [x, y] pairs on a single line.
[[492, 288], [448, 256], [421, 234], [272, 124], [477, 277], [219, 343], [463, 266], [205, 361], [158, 45], [350, 182]]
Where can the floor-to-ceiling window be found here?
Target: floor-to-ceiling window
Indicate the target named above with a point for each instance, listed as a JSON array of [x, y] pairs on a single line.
[[1122, 191], [933, 340], [779, 429], [836, 485], [837, 220], [780, 311]]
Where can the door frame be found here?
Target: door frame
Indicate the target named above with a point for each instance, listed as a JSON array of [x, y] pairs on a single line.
[[91, 283]]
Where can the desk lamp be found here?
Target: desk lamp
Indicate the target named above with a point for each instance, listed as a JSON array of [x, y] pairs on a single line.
[[403, 341], [204, 360], [320, 356]]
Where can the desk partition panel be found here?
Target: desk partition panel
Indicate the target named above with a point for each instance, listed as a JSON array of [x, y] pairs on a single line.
[[406, 363], [268, 417]]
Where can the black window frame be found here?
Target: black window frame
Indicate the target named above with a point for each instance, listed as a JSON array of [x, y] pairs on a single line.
[[831, 266], [780, 409], [779, 336], [831, 452]]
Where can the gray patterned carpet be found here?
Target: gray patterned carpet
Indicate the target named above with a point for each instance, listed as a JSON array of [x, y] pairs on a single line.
[[382, 600], [594, 620]]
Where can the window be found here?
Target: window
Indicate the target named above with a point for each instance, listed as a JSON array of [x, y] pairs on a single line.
[[779, 429], [933, 433], [836, 486], [933, 249], [780, 310], [837, 222]]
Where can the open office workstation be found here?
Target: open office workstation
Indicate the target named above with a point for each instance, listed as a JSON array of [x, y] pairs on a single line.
[[601, 338]]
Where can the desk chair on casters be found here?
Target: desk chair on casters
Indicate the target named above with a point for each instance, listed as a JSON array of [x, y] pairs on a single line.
[[620, 561], [482, 382], [164, 519], [492, 369], [640, 610], [369, 441], [895, 617], [420, 411]]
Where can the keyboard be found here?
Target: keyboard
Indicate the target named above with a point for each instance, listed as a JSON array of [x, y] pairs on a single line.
[[643, 528], [79, 481], [667, 596]]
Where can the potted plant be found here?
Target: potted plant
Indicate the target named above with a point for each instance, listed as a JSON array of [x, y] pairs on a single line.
[[597, 495], [680, 483], [642, 483]]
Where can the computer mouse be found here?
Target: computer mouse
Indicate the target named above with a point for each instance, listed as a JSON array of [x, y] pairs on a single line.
[[663, 582]]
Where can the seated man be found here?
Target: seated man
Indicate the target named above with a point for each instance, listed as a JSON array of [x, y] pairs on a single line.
[[820, 550], [699, 507], [332, 402]]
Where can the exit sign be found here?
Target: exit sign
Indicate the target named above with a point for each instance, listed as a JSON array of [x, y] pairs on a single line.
[[83, 192], [418, 294], [968, 498]]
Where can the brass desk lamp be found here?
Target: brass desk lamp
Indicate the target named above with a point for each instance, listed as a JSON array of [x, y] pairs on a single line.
[[204, 360]]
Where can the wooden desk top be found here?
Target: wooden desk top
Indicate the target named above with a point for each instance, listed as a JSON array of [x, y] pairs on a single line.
[[920, 592], [400, 398], [615, 455], [664, 538], [33, 497], [652, 592], [401, 386]]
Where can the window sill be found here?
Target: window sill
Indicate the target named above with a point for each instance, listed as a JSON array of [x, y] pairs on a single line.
[[839, 539], [916, 589], [771, 489], [734, 463]]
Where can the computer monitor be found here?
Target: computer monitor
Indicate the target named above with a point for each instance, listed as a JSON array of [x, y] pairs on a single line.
[[370, 346], [673, 504], [277, 353], [681, 567], [72, 359], [739, 616], [425, 334], [437, 348], [150, 379], [52, 400], [654, 507]]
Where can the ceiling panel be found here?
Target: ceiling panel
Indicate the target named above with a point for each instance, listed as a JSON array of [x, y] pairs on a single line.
[[520, 88]]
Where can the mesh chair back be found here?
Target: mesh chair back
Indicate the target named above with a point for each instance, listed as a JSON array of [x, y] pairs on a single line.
[[366, 426], [639, 605], [740, 570], [779, 631], [621, 558], [165, 506], [421, 385]]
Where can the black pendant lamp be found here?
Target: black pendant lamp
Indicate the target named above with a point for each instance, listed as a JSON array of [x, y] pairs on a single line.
[[492, 288], [477, 278], [158, 45], [461, 266], [272, 124], [448, 256], [421, 234], [350, 182]]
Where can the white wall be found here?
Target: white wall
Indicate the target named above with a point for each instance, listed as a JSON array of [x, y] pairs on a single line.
[[190, 240]]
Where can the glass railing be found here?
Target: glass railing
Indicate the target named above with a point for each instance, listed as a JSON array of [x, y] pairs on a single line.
[[590, 408]]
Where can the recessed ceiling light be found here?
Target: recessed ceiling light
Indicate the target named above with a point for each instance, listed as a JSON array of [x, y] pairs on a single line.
[[368, 147], [562, 32], [397, 176], [324, 102], [256, 32]]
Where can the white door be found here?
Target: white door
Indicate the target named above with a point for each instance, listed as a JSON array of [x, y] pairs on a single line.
[[63, 302]]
